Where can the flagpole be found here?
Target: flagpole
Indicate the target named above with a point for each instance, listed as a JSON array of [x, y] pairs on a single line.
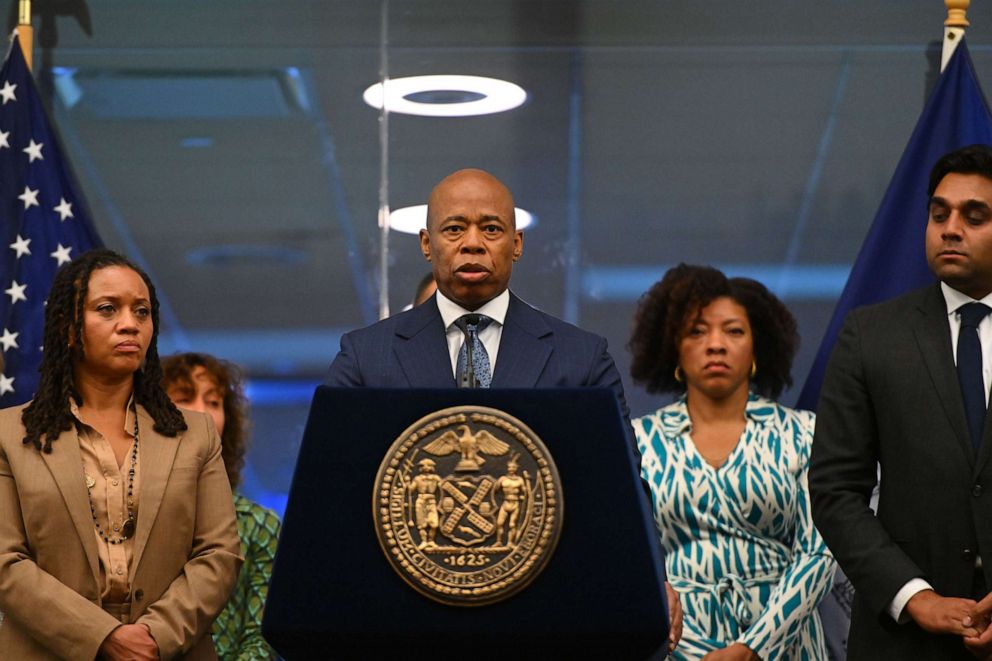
[[954, 27], [25, 31]]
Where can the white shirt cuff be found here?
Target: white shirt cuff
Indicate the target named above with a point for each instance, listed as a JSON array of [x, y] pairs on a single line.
[[897, 607]]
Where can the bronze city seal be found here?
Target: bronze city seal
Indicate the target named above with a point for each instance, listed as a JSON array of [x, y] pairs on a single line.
[[467, 505]]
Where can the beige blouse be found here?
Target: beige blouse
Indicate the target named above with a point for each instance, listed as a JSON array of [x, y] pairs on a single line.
[[108, 496]]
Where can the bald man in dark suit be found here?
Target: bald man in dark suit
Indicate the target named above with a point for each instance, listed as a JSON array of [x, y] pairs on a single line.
[[472, 242]]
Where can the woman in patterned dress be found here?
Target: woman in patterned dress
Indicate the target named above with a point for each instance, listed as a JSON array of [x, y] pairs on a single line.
[[200, 382], [727, 465]]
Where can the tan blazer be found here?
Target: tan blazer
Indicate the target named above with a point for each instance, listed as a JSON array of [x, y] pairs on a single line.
[[186, 549]]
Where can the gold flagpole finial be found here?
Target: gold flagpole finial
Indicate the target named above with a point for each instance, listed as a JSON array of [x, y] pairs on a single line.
[[957, 11], [25, 31], [954, 27]]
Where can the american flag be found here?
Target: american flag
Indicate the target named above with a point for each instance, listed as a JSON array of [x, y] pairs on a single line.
[[43, 224]]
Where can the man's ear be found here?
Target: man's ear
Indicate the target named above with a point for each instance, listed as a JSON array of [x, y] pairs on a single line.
[[518, 244], [425, 244]]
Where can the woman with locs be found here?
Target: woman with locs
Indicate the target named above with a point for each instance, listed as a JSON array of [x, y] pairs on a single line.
[[117, 529]]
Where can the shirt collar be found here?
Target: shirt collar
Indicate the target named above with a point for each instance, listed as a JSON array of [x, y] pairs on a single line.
[[128, 418], [495, 309], [676, 420], [955, 299]]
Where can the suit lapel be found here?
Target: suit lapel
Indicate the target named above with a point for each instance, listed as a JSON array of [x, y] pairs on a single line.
[[66, 465], [422, 350], [156, 454], [933, 335], [523, 347]]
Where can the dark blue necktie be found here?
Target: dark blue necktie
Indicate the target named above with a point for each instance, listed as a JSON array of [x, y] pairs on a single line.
[[473, 369], [970, 368]]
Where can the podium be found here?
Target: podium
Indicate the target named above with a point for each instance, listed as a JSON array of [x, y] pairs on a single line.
[[334, 595]]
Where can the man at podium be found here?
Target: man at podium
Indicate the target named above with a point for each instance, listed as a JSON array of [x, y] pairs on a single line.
[[474, 332]]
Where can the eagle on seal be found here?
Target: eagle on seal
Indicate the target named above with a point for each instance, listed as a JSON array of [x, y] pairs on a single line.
[[471, 446]]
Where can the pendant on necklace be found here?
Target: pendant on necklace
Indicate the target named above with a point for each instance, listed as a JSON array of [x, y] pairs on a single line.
[[90, 482]]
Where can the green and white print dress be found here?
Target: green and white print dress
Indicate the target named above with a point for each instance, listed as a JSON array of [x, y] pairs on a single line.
[[741, 548]]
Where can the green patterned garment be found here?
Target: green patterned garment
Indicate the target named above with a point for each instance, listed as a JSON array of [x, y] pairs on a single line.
[[238, 629]]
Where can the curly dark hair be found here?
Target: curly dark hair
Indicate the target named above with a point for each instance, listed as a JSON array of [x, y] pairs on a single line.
[[48, 413], [177, 371], [665, 310]]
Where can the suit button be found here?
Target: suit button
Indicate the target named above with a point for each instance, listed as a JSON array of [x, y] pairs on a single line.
[[139, 595], [976, 490], [968, 555]]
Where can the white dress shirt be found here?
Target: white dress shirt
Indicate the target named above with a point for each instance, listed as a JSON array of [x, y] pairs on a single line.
[[489, 336], [954, 300]]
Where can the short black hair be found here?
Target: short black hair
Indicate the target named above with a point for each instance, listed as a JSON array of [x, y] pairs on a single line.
[[422, 286], [664, 311], [973, 159]]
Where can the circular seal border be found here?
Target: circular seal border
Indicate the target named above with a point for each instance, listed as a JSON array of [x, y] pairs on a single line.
[[522, 575]]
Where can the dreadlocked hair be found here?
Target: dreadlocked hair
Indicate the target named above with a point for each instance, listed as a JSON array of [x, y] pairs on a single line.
[[48, 414]]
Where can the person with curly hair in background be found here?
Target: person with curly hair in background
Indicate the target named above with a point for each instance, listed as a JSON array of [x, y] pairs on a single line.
[[200, 382], [726, 466], [117, 533]]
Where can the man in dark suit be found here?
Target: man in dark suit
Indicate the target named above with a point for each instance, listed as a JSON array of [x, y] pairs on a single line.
[[471, 241], [906, 390]]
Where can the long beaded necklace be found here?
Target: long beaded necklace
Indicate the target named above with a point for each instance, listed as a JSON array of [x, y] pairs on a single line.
[[127, 530]]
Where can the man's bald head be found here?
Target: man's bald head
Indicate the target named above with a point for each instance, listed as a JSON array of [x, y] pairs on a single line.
[[471, 237], [459, 183]]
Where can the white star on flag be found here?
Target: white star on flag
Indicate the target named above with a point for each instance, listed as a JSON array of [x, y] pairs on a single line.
[[9, 340], [16, 292], [7, 93], [29, 197], [20, 246], [64, 209], [33, 150], [33, 173], [62, 254]]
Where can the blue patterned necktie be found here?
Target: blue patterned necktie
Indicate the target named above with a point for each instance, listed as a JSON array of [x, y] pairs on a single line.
[[970, 369], [473, 368]]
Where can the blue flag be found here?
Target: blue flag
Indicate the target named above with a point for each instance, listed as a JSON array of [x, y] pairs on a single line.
[[892, 260], [43, 224]]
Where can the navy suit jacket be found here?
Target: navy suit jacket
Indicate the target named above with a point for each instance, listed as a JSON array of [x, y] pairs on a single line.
[[891, 396], [536, 350]]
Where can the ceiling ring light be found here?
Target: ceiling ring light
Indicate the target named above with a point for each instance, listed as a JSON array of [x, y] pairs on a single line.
[[454, 96], [410, 220]]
